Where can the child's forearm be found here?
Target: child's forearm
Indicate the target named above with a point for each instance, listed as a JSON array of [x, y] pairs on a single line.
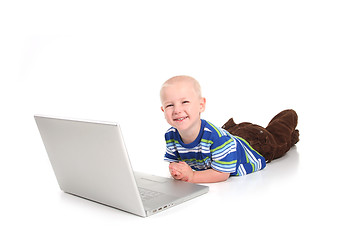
[[209, 176]]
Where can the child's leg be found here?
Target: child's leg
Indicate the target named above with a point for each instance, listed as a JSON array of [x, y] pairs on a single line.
[[273, 141], [258, 137], [283, 129]]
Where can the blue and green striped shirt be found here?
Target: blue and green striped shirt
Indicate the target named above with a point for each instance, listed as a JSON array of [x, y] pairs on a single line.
[[214, 148]]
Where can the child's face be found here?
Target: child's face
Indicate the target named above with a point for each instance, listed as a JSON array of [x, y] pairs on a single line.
[[182, 106]]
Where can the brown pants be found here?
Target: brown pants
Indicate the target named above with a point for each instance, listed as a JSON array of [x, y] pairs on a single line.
[[273, 141]]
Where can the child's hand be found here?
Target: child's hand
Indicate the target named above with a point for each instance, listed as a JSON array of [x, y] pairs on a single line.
[[181, 171], [174, 173]]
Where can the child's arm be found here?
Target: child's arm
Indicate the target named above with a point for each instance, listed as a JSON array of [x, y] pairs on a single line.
[[209, 176], [182, 171]]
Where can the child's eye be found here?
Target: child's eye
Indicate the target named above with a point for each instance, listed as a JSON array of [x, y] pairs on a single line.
[[169, 105], [185, 102]]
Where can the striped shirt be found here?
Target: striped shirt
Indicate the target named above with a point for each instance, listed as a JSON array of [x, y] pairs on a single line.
[[214, 148]]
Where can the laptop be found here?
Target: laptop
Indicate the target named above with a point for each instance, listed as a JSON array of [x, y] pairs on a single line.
[[90, 160]]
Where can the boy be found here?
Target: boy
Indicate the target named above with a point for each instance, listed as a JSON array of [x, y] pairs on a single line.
[[197, 150]]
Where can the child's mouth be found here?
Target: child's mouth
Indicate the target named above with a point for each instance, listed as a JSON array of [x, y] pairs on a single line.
[[180, 119]]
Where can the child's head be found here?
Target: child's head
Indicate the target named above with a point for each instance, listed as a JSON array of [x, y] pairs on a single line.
[[182, 103], [183, 79]]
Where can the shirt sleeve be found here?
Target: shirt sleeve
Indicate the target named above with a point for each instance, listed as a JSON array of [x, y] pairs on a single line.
[[223, 154], [171, 154]]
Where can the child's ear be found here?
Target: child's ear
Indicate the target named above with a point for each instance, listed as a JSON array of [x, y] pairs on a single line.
[[162, 109], [202, 104]]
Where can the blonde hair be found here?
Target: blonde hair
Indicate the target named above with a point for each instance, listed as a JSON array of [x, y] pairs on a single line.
[[182, 78]]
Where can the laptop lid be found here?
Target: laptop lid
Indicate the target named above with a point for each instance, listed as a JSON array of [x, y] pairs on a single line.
[[90, 160]]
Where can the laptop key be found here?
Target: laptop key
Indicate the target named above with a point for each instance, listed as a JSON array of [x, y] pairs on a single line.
[[147, 194]]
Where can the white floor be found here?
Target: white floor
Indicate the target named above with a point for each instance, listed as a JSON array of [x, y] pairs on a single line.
[[304, 194], [107, 62]]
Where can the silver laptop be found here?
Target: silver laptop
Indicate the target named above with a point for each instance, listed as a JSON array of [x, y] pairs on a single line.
[[90, 160]]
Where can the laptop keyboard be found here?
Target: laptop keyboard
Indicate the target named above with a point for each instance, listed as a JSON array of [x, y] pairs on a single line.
[[147, 194]]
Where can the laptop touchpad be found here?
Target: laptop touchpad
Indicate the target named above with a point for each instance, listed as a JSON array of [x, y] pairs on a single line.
[[154, 180]]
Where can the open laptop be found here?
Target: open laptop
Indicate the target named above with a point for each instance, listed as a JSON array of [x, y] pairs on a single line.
[[90, 160]]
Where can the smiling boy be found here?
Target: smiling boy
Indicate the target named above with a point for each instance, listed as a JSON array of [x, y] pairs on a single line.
[[197, 150]]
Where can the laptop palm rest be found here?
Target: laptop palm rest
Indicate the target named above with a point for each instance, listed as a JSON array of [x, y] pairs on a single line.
[[172, 191]]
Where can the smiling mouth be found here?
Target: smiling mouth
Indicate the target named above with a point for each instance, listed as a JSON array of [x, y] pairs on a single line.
[[180, 119]]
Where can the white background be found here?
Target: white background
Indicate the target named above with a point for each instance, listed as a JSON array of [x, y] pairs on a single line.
[[106, 60]]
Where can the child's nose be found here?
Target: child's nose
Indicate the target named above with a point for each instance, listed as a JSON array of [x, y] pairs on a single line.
[[177, 109]]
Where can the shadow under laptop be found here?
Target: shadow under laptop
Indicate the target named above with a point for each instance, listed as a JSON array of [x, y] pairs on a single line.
[[87, 206]]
